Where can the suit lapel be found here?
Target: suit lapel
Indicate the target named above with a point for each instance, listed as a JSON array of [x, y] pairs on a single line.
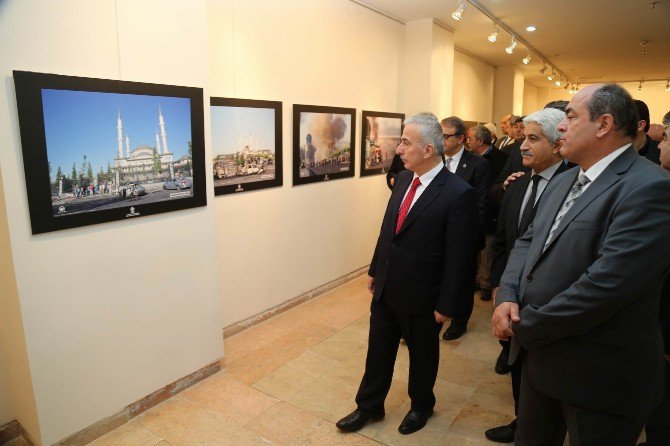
[[463, 164], [515, 208], [428, 195], [610, 176]]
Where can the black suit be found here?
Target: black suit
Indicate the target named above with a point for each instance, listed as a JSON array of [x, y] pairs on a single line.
[[650, 151], [417, 271], [589, 304], [497, 161], [476, 171], [507, 233]]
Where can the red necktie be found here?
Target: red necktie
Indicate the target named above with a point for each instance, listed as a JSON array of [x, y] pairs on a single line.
[[406, 203]]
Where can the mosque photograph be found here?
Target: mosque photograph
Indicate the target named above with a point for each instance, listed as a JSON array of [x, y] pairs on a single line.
[[243, 140], [109, 150]]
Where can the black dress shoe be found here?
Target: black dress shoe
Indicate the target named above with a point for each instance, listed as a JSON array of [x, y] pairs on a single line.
[[502, 367], [454, 331], [414, 420], [502, 434], [357, 419]]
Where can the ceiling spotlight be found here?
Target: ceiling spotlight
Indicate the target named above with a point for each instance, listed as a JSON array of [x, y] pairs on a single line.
[[544, 68], [526, 60], [456, 15], [667, 86], [512, 45], [494, 35], [531, 28], [568, 85], [551, 76], [558, 82], [639, 87]]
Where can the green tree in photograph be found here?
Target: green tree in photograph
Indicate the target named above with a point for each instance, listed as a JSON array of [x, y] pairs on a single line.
[[156, 164], [73, 176], [89, 172]]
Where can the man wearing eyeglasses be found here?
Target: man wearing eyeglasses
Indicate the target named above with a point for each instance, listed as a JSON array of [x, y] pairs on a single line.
[[476, 171], [479, 142]]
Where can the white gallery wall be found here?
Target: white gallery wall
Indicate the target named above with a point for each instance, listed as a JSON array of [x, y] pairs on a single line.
[[109, 315], [473, 92], [276, 244], [106, 314]]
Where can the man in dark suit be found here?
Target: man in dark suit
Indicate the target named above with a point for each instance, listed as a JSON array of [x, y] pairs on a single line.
[[424, 254], [475, 171], [540, 154], [581, 287], [479, 142], [644, 145], [658, 423]]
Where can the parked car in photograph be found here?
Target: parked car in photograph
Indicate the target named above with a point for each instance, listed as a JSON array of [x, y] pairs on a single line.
[[178, 184], [132, 190]]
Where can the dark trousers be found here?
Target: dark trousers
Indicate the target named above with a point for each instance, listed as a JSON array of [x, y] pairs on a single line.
[[516, 374], [421, 333], [658, 424], [467, 302], [544, 420]]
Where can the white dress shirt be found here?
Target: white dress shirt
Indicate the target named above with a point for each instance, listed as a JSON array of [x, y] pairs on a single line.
[[425, 179], [599, 167], [545, 176]]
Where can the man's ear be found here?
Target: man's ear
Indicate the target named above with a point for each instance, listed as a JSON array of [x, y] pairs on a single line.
[[605, 124], [429, 151], [641, 124]]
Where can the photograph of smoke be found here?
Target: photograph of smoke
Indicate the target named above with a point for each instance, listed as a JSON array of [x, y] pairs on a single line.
[[323, 143]]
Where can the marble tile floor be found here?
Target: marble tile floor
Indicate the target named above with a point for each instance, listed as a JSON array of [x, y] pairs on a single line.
[[288, 380]]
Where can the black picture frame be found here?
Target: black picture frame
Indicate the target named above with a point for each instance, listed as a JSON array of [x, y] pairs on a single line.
[[328, 158], [257, 164], [75, 109], [379, 162]]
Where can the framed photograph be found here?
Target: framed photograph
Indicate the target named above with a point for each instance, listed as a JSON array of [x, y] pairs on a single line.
[[97, 150], [323, 143], [246, 144], [380, 136]]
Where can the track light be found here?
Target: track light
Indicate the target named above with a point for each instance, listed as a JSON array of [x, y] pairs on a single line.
[[544, 68], [558, 82], [568, 85], [667, 86], [456, 15], [494, 35], [512, 45], [551, 76], [639, 87], [526, 60]]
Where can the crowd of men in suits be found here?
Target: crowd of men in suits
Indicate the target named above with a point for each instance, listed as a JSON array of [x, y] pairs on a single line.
[[562, 222]]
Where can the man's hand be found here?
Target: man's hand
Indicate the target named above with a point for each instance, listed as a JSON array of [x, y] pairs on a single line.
[[512, 178], [440, 318], [371, 285], [503, 316]]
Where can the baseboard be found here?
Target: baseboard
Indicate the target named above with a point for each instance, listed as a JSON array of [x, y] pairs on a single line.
[[238, 327], [107, 425], [10, 431]]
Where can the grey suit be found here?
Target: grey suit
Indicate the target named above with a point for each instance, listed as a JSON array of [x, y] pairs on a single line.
[[589, 303]]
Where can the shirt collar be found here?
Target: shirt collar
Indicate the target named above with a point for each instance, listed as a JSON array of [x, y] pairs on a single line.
[[457, 157], [427, 177], [549, 171], [594, 171]]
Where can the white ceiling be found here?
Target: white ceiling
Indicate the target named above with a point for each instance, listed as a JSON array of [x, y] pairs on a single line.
[[586, 40]]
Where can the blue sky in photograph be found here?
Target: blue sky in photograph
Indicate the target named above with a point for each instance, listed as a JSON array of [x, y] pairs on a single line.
[[229, 122], [79, 123]]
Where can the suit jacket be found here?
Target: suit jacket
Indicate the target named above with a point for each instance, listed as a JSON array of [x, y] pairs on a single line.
[[589, 302], [515, 144], [497, 160], [424, 267], [507, 231], [476, 171], [502, 139], [650, 151]]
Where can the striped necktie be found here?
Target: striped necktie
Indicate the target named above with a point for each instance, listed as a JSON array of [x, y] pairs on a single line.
[[575, 192]]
